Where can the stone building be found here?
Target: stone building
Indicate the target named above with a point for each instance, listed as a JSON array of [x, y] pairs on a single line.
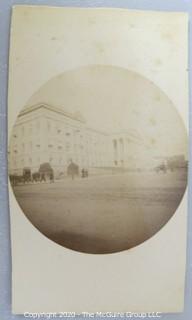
[[43, 133]]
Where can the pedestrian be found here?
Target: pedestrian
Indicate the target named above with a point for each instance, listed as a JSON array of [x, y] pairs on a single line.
[[51, 177]]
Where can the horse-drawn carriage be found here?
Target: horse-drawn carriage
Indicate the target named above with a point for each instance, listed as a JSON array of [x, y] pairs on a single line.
[[72, 170], [175, 163], [161, 168], [27, 175], [44, 173], [21, 178]]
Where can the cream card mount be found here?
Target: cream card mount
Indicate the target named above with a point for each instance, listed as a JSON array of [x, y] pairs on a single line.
[[98, 159]]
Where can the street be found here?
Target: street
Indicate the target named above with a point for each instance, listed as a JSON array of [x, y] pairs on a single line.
[[102, 214]]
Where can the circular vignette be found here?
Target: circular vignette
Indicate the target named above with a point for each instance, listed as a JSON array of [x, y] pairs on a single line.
[[98, 159]]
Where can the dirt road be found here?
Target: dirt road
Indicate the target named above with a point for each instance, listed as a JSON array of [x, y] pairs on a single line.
[[103, 214]]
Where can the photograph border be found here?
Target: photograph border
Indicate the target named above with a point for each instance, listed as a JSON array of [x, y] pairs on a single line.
[[5, 252]]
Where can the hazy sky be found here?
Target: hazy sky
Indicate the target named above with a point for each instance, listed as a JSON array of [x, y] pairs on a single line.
[[114, 99]]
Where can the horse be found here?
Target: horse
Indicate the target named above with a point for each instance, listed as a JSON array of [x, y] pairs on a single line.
[[36, 177]]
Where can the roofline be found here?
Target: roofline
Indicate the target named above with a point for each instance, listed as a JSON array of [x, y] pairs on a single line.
[[48, 107]]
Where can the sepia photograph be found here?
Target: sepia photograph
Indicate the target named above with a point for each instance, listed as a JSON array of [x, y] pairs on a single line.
[[98, 159], [97, 155]]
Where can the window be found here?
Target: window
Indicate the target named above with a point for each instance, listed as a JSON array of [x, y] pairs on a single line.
[[68, 146], [38, 125], [30, 129], [48, 126]]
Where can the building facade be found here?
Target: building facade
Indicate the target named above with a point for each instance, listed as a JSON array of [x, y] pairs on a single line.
[[43, 133]]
